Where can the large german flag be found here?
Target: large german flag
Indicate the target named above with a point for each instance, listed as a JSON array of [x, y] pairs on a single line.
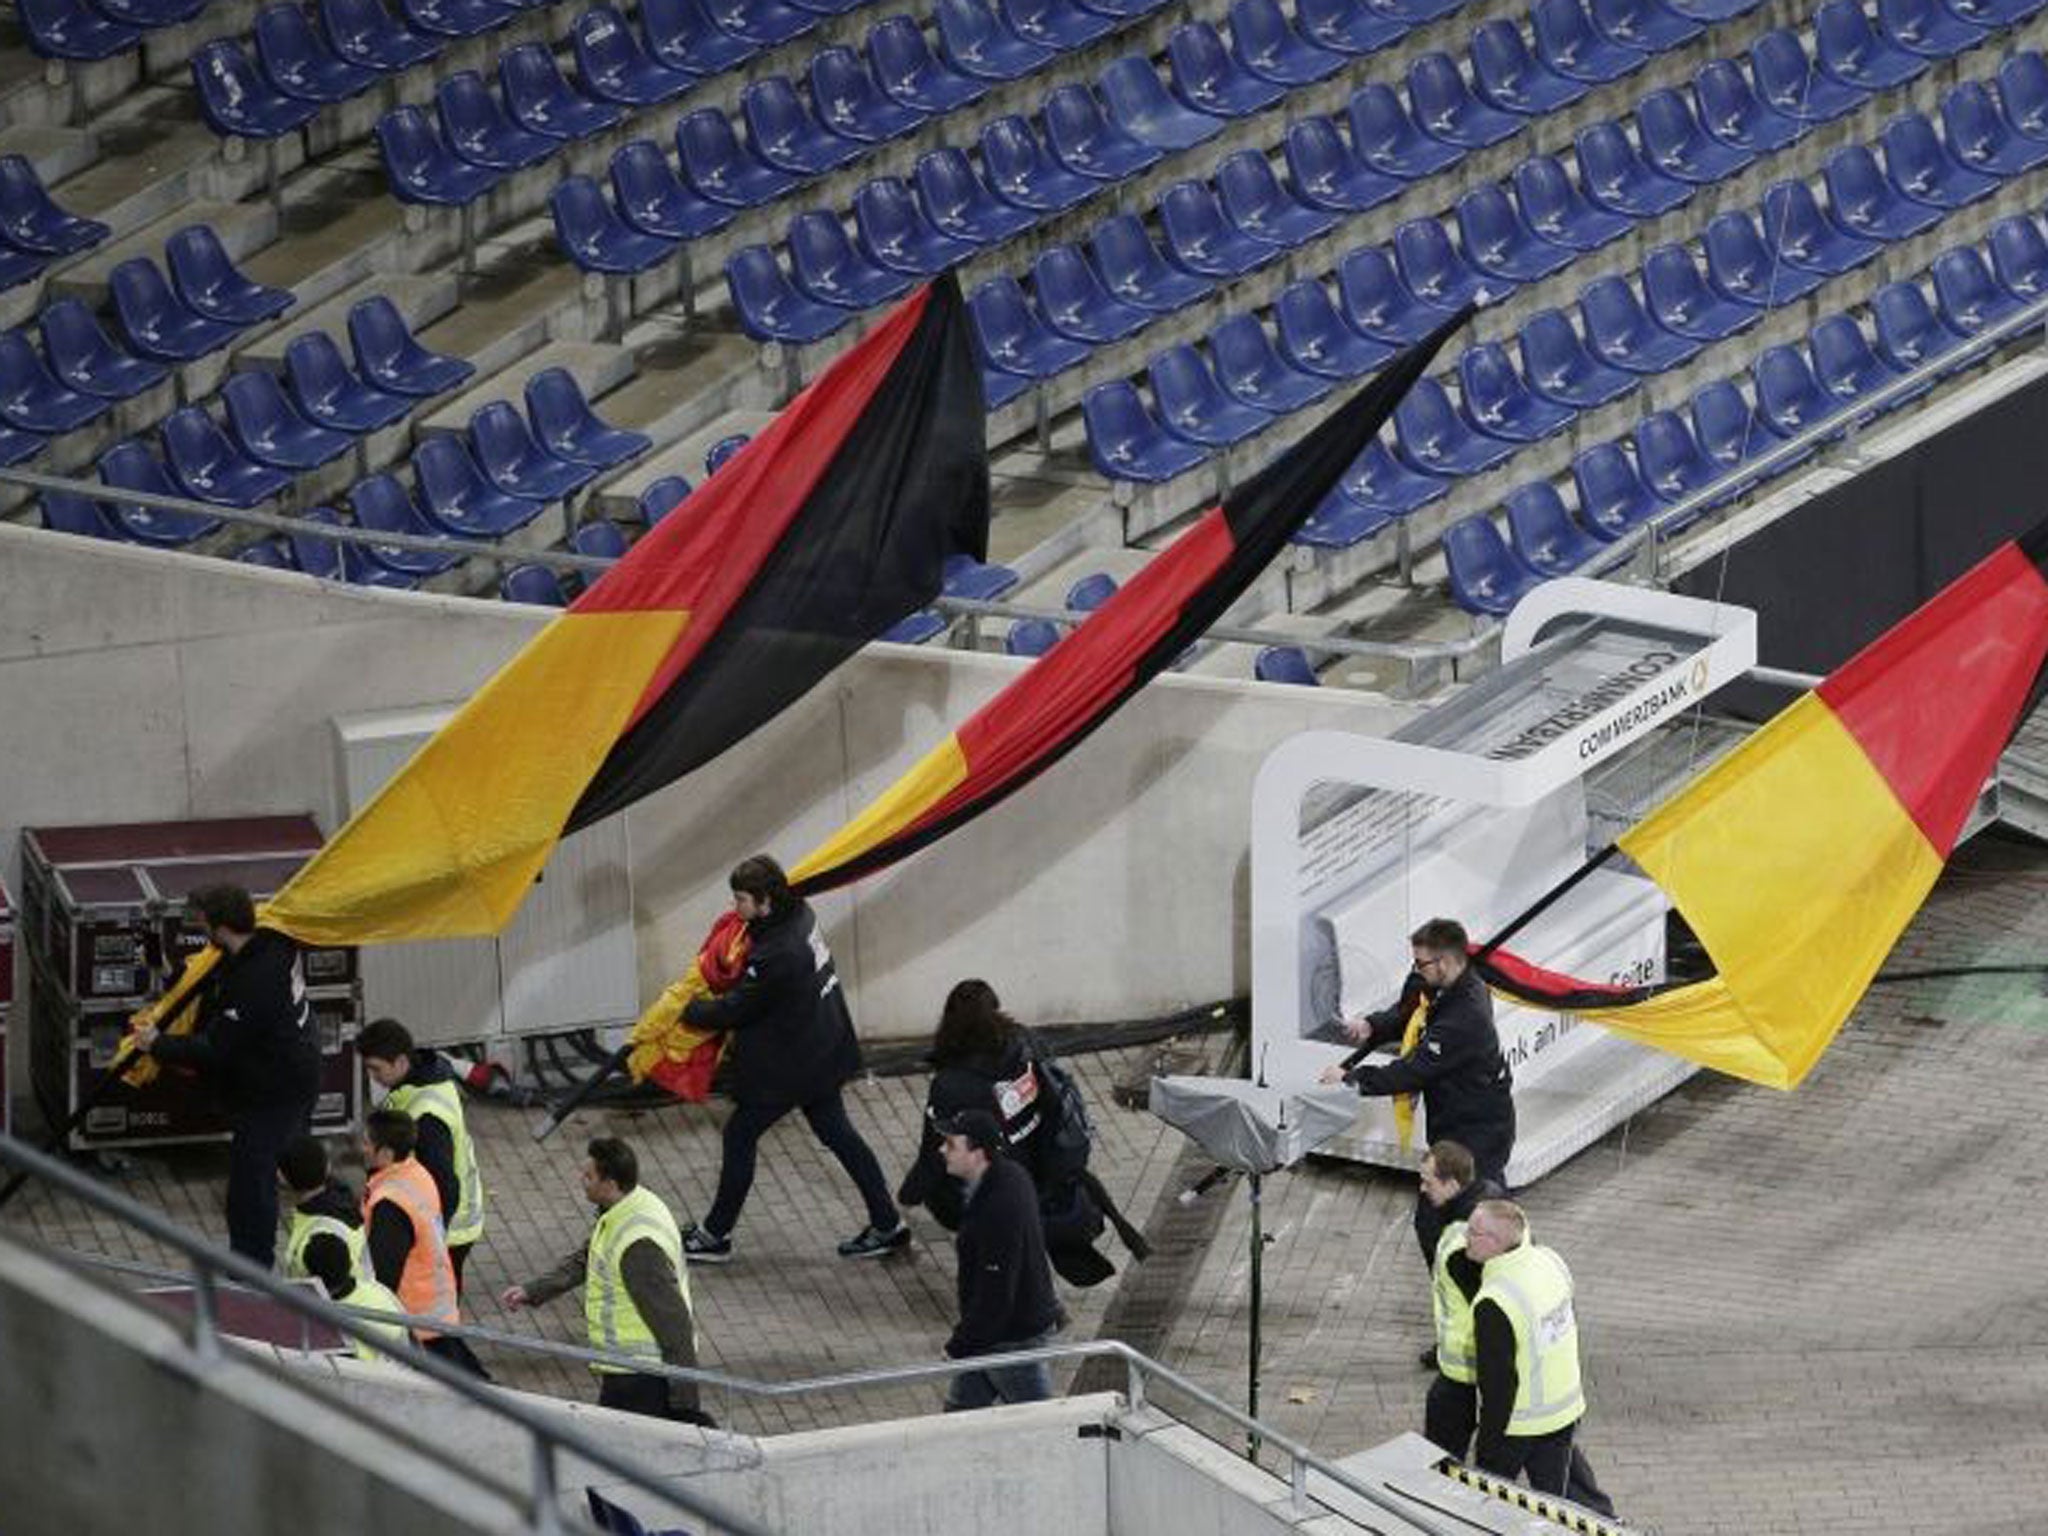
[[1799, 858], [830, 526], [1140, 631]]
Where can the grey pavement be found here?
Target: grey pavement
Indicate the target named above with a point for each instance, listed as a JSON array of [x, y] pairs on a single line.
[[1822, 1311]]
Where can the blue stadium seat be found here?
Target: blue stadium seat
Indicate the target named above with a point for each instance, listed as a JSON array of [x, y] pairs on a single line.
[[768, 304], [1013, 339], [1979, 135], [1121, 10], [653, 199], [1847, 48], [849, 103], [1616, 177], [1256, 203], [594, 235], [533, 584], [2023, 93], [1728, 430], [1378, 480], [601, 540], [1083, 139], [390, 357], [1019, 170], [1731, 112], [457, 18], [1996, 13], [1674, 142], [362, 566], [1385, 138], [32, 399], [1797, 231], [1192, 405], [1612, 496], [958, 204], [480, 131], [148, 14], [1500, 243], [1645, 25], [1031, 637], [366, 34], [915, 628], [1713, 10], [1323, 173], [383, 505], [1338, 522], [1788, 84], [236, 100], [1431, 434], [271, 554], [1446, 109], [1966, 295], [30, 219], [1499, 404], [761, 24], [129, 466], [1621, 333], [1930, 28], [328, 393], [73, 29], [1558, 367], [974, 43], [299, 62], [682, 34], [1347, 26], [1863, 201], [1269, 47], [1486, 577], [908, 71], [157, 323], [612, 65], [1433, 271], [1125, 442], [84, 357], [1075, 303], [661, 498], [206, 278], [1680, 300], [1205, 76], [1554, 207], [2019, 257], [1090, 592], [422, 168], [717, 166], [1376, 303], [1909, 332], [1284, 664], [205, 464], [569, 429], [1250, 370], [1569, 43], [1542, 532], [1134, 271], [1507, 76], [825, 265], [1314, 337], [269, 429], [1921, 167], [312, 555], [1741, 267], [1201, 238], [964, 576], [513, 461], [1672, 465], [1844, 362], [724, 451], [456, 497], [1789, 398], [1056, 24], [894, 232], [541, 100]]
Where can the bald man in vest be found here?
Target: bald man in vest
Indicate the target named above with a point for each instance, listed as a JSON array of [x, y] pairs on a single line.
[[1526, 1340], [636, 1289]]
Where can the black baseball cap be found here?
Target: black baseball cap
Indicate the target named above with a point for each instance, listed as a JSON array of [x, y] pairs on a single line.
[[981, 1129]]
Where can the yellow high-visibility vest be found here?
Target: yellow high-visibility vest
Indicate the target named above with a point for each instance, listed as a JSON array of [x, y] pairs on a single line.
[[442, 1101], [1457, 1354], [303, 1229], [376, 1298], [615, 1324], [1533, 1289]]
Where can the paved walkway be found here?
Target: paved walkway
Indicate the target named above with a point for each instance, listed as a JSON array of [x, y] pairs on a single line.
[[1823, 1311]]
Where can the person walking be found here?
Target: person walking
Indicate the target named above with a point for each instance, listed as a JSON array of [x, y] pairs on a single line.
[[407, 1248], [257, 1047], [793, 1047], [1451, 1184], [1005, 1283], [636, 1288], [421, 1082]]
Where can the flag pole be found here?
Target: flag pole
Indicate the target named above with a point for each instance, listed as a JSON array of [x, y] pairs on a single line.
[[1544, 902], [613, 1065]]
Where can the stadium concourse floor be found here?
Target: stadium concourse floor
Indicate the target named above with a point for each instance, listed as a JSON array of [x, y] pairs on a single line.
[[1824, 1311]]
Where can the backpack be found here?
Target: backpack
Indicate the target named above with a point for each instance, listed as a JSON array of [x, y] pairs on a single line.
[[1066, 1127]]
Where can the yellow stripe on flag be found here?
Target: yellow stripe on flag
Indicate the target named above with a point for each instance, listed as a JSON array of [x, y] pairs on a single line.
[[937, 775], [451, 844], [1798, 869]]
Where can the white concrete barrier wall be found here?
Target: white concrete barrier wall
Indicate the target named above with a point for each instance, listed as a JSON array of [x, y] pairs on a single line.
[[136, 685]]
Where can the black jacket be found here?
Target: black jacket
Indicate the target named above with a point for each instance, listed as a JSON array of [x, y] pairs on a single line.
[[1467, 1091], [793, 1037], [1006, 1291], [1005, 1085], [256, 1042]]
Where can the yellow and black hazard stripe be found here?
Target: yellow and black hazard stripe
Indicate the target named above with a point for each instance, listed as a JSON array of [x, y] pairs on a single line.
[[1568, 1515]]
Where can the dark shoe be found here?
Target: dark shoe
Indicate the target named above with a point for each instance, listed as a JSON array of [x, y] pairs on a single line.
[[871, 1244], [700, 1247], [1427, 1359]]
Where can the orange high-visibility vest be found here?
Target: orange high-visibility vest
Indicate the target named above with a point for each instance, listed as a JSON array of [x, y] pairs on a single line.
[[427, 1286]]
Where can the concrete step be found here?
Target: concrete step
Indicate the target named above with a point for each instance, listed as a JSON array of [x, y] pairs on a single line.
[[683, 382], [338, 229], [620, 498], [597, 367], [52, 91], [56, 153], [242, 227], [512, 307], [421, 299]]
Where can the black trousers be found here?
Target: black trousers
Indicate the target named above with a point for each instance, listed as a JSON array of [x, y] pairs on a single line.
[[1553, 1464], [259, 1136], [1450, 1415], [455, 1352], [457, 1257], [829, 1123]]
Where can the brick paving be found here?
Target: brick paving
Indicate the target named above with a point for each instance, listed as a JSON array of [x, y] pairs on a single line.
[[1814, 1312]]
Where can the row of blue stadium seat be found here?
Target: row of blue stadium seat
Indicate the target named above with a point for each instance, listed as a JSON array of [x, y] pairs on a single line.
[[97, 29], [34, 229]]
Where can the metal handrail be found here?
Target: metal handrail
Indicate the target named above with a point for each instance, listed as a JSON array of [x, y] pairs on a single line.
[[1141, 1371]]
